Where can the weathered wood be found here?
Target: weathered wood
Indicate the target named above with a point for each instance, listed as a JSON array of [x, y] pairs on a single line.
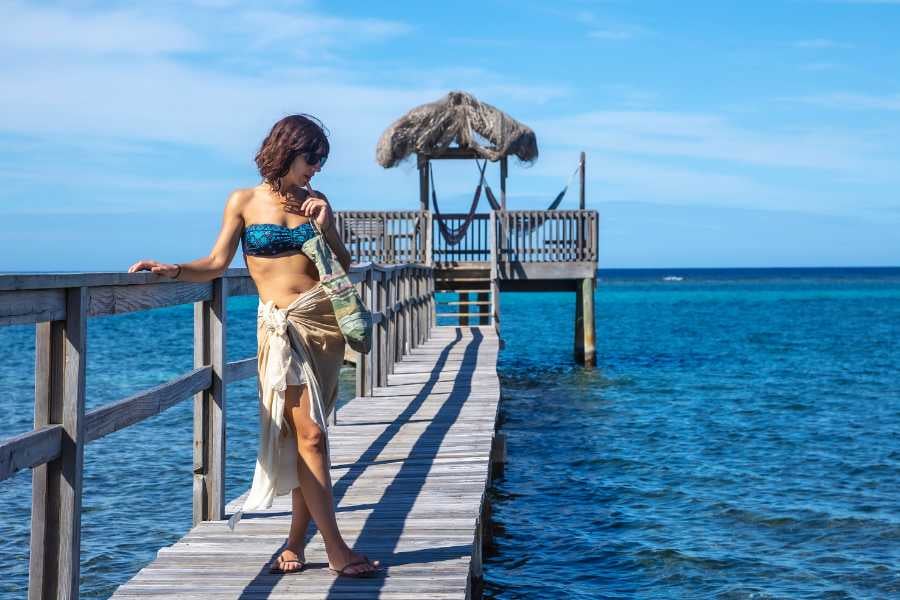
[[32, 306], [241, 369], [587, 293], [55, 557], [410, 470], [134, 409], [209, 407], [29, 449], [581, 176], [118, 299], [240, 286]]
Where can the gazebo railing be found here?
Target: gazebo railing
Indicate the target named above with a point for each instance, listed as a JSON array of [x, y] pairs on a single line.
[[520, 236]]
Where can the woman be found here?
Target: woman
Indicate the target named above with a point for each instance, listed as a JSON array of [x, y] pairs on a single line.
[[301, 348]]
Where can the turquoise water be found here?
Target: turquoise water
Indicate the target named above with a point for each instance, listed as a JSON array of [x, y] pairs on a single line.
[[738, 439]]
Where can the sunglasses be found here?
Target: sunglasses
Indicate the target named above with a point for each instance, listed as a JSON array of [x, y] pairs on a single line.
[[314, 158]]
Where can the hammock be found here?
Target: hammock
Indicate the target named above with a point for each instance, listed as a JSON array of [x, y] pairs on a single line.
[[528, 228], [453, 236]]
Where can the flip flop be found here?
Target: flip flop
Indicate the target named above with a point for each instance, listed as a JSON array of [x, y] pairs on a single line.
[[362, 574], [281, 571]]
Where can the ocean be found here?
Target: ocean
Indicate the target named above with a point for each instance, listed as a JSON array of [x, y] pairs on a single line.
[[739, 438]]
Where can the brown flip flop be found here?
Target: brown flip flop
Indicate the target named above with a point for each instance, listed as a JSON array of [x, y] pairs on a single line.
[[281, 571], [362, 574]]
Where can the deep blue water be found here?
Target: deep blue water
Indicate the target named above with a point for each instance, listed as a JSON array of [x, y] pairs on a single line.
[[738, 439]]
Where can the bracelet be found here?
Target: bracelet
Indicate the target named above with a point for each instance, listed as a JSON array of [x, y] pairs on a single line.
[[179, 271]]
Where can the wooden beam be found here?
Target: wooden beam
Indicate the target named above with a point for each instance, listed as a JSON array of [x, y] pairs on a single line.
[[55, 559], [29, 449], [32, 306], [209, 408], [581, 170], [241, 369], [119, 299], [424, 188], [134, 409], [504, 171]]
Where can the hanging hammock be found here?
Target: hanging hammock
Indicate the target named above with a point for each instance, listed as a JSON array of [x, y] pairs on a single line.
[[453, 236], [528, 228]]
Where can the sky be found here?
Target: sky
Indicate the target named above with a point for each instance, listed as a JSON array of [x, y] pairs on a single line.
[[718, 134]]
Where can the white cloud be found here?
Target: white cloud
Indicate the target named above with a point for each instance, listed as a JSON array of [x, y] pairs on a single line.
[[30, 28], [852, 101], [703, 136]]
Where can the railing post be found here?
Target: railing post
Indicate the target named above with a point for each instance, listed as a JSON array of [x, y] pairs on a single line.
[[381, 358], [392, 327], [209, 407], [429, 239], [363, 373], [494, 273], [55, 562]]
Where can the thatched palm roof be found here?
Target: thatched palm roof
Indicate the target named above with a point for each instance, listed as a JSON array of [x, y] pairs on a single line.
[[461, 119]]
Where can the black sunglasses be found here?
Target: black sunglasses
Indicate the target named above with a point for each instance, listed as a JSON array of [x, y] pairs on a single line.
[[314, 158]]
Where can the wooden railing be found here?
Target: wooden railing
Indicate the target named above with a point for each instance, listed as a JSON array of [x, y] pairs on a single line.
[[519, 236], [401, 298], [546, 235], [474, 245], [388, 237]]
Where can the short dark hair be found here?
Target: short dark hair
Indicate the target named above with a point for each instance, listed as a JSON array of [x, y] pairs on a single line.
[[289, 137]]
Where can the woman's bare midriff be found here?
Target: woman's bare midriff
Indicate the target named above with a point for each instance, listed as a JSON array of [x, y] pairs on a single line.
[[282, 278]]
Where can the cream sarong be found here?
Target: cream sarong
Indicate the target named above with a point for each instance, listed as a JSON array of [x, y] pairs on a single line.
[[301, 342]]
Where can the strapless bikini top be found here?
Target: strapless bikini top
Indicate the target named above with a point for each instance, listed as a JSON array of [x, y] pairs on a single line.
[[267, 239]]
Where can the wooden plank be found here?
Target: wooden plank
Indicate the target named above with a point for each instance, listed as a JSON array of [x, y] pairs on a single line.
[[29, 449], [55, 559], [32, 306], [410, 473], [241, 369], [209, 407], [118, 299], [134, 409]]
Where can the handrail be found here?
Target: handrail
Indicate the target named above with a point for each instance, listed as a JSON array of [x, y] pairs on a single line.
[[545, 236], [400, 296]]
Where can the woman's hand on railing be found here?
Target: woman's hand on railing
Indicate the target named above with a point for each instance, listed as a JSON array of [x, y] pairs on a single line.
[[154, 266]]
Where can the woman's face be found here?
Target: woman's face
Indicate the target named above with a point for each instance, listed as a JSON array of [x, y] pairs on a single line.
[[302, 172]]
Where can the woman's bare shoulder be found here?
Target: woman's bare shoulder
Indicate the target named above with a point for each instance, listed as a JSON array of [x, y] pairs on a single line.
[[239, 199]]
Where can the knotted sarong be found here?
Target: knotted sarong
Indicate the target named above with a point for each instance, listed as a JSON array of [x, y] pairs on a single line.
[[301, 342]]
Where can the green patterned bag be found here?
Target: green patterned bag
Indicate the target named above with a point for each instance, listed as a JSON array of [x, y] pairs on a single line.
[[353, 317]]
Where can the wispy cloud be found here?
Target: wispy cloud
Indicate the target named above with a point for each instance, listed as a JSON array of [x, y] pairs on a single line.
[[852, 101], [33, 28], [601, 28]]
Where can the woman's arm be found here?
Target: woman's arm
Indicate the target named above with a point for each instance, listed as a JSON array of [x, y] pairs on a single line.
[[212, 266]]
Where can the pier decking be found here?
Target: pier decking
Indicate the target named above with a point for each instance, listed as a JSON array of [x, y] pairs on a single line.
[[410, 467]]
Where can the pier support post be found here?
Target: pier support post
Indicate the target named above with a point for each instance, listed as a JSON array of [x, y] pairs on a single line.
[[585, 351], [483, 309], [209, 407], [55, 561]]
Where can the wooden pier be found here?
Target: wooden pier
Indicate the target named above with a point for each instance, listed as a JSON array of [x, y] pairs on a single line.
[[410, 466], [412, 453]]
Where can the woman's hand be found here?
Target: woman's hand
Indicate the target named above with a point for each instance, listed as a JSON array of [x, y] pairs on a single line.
[[154, 266], [316, 207]]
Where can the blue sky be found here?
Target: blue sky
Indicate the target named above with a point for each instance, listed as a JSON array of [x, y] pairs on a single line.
[[718, 133]]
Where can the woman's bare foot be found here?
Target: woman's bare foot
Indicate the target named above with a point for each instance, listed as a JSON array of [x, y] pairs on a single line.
[[288, 561], [353, 564]]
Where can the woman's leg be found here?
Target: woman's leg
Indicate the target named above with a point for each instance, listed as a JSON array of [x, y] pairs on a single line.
[[315, 480], [292, 556]]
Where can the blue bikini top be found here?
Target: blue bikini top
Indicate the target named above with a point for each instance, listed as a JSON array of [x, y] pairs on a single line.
[[267, 239]]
